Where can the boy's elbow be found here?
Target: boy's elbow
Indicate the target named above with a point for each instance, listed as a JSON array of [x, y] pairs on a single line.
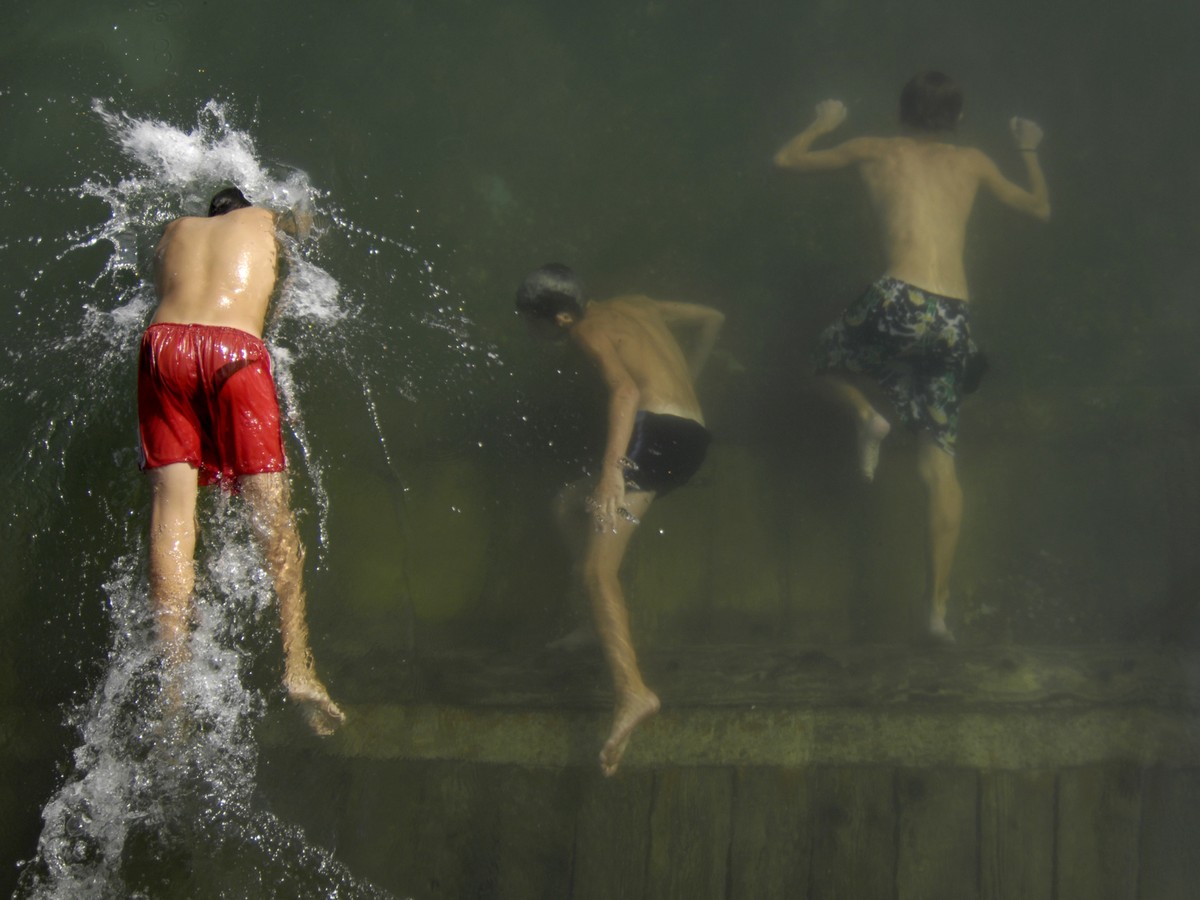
[[627, 393], [1042, 213], [783, 160]]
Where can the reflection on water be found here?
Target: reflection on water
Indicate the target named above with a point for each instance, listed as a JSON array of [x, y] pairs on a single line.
[[160, 795]]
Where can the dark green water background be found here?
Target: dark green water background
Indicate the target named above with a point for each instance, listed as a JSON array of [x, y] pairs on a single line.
[[633, 141]]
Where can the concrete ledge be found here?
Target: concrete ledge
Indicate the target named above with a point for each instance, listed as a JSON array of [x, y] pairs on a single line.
[[982, 707], [1008, 739]]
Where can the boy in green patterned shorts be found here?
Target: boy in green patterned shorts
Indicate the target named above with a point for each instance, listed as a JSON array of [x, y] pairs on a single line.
[[910, 332]]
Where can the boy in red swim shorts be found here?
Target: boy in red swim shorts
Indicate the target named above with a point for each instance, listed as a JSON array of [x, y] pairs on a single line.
[[206, 397], [207, 413]]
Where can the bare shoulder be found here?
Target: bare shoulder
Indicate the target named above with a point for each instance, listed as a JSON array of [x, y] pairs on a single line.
[[614, 318], [872, 147], [253, 225], [615, 313], [183, 223], [596, 333], [628, 302], [176, 232], [855, 151], [974, 160], [595, 325], [256, 215]]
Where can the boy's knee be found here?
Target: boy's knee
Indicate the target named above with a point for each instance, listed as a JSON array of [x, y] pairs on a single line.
[[597, 574], [935, 467]]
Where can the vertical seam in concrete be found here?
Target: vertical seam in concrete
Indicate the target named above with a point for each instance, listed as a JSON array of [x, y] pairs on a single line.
[[1137, 838], [896, 830], [574, 849], [1054, 836], [649, 859], [816, 798], [733, 795], [978, 832]]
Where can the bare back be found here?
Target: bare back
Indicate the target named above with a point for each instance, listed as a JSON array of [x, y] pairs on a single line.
[[217, 271], [648, 351], [923, 192]]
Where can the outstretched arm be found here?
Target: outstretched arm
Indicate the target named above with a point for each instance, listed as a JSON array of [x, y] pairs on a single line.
[[797, 155], [297, 220], [1036, 200], [707, 320], [608, 497]]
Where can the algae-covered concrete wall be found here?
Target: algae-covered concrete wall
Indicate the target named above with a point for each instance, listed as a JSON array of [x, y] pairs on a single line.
[[1081, 509], [633, 140], [644, 161]]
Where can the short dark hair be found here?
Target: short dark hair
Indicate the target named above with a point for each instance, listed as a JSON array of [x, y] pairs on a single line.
[[549, 290], [931, 101], [227, 201]]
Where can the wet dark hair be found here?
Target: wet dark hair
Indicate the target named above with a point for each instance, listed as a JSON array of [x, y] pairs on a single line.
[[931, 101], [227, 201], [552, 289]]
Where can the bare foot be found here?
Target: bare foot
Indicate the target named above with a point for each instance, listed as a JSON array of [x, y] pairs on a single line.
[[323, 715], [871, 432], [938, 631], [630, 712]]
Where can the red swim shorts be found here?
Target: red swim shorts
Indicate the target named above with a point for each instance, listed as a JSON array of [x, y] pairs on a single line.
[[206, 397]]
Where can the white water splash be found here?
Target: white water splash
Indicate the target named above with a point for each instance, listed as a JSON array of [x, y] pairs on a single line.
[[311, 293], [191, 162], [166, 763]]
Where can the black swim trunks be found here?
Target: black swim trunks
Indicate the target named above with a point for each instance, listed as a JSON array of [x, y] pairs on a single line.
[[915, 344], [666, 451]]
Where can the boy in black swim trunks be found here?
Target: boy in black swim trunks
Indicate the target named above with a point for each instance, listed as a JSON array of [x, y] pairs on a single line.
[[656, 442], [909, 333]]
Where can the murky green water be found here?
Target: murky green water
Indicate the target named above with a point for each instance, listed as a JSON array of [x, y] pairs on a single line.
[[449, 148]]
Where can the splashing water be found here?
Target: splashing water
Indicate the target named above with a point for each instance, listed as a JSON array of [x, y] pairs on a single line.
[[160, 796], [189, 164]]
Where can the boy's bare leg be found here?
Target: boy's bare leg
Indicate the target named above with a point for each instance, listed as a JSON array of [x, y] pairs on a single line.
[[937, 471], [870, 426], [279, 539], [602, 564], [172, 551], [575, 525]]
